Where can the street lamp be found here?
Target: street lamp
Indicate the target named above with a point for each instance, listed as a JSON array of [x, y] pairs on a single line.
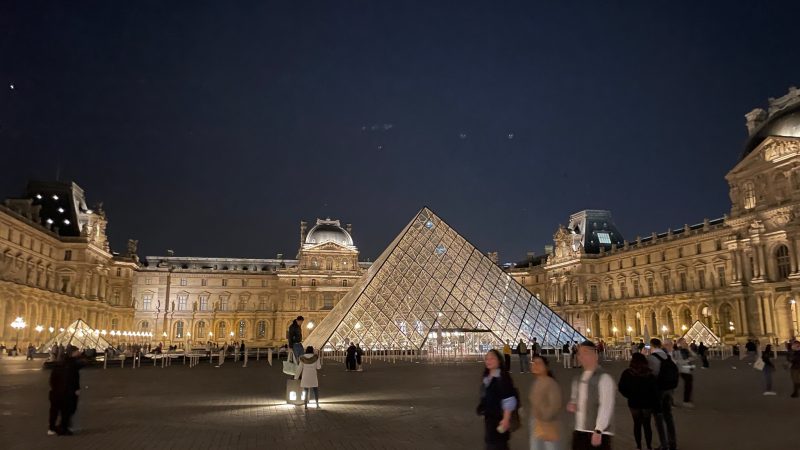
[[39, 330], [18, 324], [664, 332], [614, 330]]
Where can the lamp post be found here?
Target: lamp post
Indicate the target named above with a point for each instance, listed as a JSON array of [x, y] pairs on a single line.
[[18, 324], [39, 330]]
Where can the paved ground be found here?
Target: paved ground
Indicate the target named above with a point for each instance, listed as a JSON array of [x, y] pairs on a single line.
[[389, 406]]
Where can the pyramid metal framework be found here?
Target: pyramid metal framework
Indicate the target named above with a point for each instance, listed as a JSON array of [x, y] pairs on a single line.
[[430, 281], [699, 332], [81, 335]]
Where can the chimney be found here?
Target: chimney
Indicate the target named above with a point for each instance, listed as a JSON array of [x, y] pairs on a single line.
[[303, 228], [349, 228]]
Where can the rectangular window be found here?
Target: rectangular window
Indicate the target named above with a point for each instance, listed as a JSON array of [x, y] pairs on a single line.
[[523, 280], [636, 292], [67, 255], [223, 303], [701, 279], [684, 284], [263, 283], [665, 280], [294, 282], [204, 282], [262, 329], [699, 248], [648, 259], [623, 289], [593, 293], [633, 262], [119, 271], [721, 275], [183, 282], [147, 299], [242, 304], [116, 296], [719, 244], [224, 282], [603, 237], [262, 303], [203, 302], [148, 281], [182, 302], [611, 292], [327, 301], [680, 252], [244, 283]]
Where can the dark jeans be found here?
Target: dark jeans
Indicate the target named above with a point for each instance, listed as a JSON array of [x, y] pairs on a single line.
[[65, 405], [768, 377], [688, 386], [508, 362], [641, 419], [350, 363], [704, 358], [582, 440], [665, 424], [493, 439], [315, 390]]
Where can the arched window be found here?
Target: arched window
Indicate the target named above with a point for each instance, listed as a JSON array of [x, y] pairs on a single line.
[[261, 329], [242, 328], [201, 330], [329, 264], [749, 195], [222, 330], [144, 325], [784, 266], [179, 329]]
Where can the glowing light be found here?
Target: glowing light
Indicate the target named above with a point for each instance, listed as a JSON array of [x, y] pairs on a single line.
[[39, 328], [55, 197], [38, 196], [310, 325], [49, 221], [51, 329], [61, 210], [630, 329], [66, 221]]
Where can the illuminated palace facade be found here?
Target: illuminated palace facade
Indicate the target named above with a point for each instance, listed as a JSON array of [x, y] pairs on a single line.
[[738, 274]]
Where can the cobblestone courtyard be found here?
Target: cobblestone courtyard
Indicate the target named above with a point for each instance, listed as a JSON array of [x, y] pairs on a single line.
[[388, 406]]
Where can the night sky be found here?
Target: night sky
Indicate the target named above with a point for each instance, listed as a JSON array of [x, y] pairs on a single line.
[[213, 128]]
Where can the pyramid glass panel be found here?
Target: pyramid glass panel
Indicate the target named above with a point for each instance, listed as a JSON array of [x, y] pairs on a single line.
[[430, 288], [81, 335], [699, 332]]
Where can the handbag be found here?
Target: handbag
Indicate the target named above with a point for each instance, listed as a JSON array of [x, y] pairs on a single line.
[[289, 366], [759, 364]]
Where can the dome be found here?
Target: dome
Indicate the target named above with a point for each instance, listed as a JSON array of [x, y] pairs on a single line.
[[328, 231], [783, 123]]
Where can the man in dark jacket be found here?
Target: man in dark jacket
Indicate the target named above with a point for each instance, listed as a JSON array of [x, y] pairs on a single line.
[[295, 337], [65, 385]]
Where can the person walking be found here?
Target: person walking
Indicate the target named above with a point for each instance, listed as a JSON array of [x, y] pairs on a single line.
[[638, 385], [545, 405], [524, 359], [29, 354], [592, 402], [667, 375], [65, 385], [359, 354], [537, 349], [498, 402], [685, 358], [768, 370], [703, 351], [507, 357], [566, 354], [794, 368], [351, 358], [307, 374], [295, 337]]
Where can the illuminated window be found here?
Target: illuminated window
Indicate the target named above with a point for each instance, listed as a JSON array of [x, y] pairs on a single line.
[[147, 299], [242, 329], [203, 302], [182, 302], [261, 329], [183, 282], [603, 237], [179, 329]]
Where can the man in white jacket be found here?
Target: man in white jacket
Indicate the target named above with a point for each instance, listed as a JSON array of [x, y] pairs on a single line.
[[307, 373]]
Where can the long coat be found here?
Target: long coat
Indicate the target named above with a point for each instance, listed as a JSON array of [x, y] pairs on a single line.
[[307, 370]]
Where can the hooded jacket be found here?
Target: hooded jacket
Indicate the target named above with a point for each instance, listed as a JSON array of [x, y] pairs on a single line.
[[307, 370]]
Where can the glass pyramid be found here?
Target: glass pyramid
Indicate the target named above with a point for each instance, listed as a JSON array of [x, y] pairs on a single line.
[[699, 332], [81, 335], [431, 284]]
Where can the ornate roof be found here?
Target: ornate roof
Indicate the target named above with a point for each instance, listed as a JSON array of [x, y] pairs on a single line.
[[327, 230], [782, 119]]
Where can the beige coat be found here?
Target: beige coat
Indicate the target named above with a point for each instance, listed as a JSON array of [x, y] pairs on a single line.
[[545, 406]]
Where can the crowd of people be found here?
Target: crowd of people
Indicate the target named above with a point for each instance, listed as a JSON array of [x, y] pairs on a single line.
[[649, 385]]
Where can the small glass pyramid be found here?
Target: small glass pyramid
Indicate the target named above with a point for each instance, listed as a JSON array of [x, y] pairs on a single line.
[[81, 335], [699, 332], [431, 286]]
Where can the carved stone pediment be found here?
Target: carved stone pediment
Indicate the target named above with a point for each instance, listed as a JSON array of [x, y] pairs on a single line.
[[777, 149], [779, 219]]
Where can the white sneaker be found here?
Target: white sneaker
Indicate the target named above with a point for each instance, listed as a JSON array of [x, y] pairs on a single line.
[[51, 433], [770, 393]]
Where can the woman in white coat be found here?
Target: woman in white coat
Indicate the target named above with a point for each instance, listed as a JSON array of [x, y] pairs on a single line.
[[307, 372]]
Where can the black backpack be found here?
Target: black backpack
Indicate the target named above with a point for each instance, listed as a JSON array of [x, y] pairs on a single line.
[[668, 374]]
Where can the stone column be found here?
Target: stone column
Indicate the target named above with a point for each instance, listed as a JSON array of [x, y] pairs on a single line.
[[743, 316], [792, 255], [738, 259], [762, 261]]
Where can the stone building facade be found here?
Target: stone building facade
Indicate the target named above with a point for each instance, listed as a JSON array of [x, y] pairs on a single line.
[[738, 274], [194, 300], [56, 265]]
